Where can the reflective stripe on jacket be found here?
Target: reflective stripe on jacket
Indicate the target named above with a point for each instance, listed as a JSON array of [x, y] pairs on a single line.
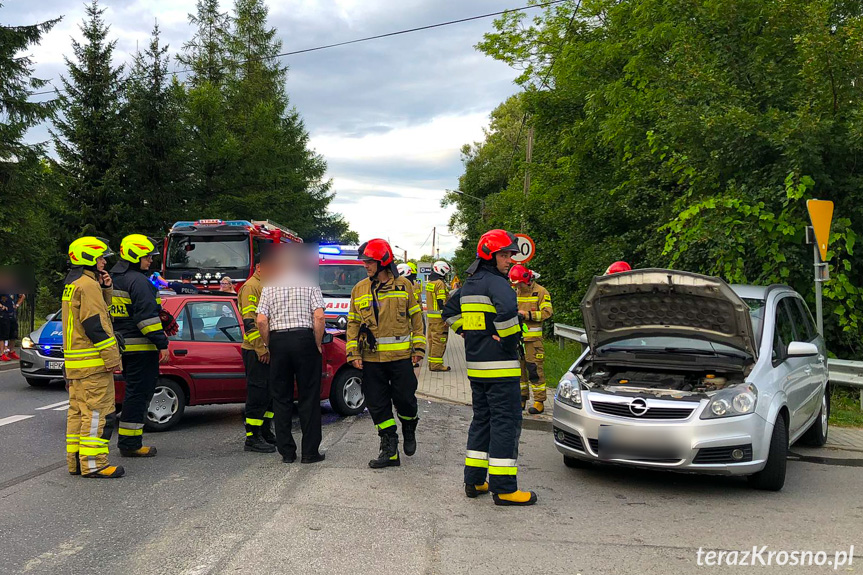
[[436, 296], [393, 315], [89, 344], [535, 301], [247, 299], [135, 308]]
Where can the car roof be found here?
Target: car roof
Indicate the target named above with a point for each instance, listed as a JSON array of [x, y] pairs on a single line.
[[758, 292]]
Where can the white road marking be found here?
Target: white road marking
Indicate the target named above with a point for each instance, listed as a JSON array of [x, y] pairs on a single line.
[[53, 405], [13, 419], [61, 408]]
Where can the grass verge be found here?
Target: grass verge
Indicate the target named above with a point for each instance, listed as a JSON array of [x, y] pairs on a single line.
[[557, 360], [845, 407]]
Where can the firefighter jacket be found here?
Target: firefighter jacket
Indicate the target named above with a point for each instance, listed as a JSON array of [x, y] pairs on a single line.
[[89, 345], [535, 302], [384, 321], [418, 291], [248, 298], [483, 307], [436, 295], [135, 307]]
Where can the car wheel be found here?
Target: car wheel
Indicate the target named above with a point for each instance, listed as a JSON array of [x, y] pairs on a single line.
[[36, 382], [167, 406], [576, 463], [772, 477], [816, 435], [346, 393]]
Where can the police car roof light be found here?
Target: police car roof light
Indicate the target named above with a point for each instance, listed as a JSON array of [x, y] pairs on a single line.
[[333, 250]]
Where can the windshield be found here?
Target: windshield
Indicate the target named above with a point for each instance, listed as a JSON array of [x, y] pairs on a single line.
[[223, 251], [339, 279]]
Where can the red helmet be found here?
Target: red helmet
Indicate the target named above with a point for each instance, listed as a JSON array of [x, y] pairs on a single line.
[[495, 241], [618, 267], [519, 273], [379, 250]]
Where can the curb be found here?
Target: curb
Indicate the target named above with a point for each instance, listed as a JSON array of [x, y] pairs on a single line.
[[9, 366]]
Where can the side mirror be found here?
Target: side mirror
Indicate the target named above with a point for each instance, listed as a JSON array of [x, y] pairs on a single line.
[[801, 349], [50, 317], [328, 338]]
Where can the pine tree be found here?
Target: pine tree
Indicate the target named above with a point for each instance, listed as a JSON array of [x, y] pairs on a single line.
[[205, 55], [153, 154], [23, 194], [88, 134]]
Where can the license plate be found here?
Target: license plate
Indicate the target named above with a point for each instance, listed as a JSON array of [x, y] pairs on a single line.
[[54, 365], [636, 443]]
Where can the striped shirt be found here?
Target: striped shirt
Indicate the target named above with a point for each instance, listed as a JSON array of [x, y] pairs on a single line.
[[290, 307]]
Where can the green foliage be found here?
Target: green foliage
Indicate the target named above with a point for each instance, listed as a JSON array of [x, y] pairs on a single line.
[[679, 133]]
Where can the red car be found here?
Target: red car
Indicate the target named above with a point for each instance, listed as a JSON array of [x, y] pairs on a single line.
[[206, 365]]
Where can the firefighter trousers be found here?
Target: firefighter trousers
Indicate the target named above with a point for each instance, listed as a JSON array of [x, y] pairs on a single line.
[[89, 422], [259, 404], [438, 330], [141, 371], [389, 384], [532, 373], [492, 440]]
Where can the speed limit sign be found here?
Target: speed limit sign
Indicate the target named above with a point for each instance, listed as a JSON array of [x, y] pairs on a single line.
[[526, 249]]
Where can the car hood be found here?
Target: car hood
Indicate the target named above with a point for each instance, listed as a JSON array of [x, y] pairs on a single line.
[[657, 302]]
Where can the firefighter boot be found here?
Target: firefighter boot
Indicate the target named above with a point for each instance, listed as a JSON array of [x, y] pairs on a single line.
[[267, 431], [389, 455], [110, 472], [537, 408], [255, 442], [140, 452], [409, 435], [475, 490], [515, 498]]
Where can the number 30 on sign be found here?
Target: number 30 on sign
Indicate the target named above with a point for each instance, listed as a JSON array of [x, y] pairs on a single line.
[[526, 249]]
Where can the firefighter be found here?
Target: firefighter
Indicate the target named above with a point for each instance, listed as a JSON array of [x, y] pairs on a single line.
[[256, 359], [409, 271], [385, 333], [92, 354], [136, 310], [485, 312], [534, 307], [436, 295]]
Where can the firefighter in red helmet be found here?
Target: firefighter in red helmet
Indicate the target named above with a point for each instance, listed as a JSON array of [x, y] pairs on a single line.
[[534, 307]]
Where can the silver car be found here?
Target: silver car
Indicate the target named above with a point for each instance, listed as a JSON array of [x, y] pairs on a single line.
[[687, 373]]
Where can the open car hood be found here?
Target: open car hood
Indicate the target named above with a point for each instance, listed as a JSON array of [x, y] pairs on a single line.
[[656, 302]]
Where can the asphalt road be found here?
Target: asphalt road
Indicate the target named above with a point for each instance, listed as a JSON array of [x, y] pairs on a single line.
[[205, 506]]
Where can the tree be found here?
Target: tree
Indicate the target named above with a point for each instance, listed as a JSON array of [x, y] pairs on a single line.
[[153, 154], [205, 55], [88, 133]]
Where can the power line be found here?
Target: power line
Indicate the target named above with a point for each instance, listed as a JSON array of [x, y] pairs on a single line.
[[359, 40]]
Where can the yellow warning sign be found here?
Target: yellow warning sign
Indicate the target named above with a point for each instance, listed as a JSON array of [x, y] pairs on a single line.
[[821, 214]]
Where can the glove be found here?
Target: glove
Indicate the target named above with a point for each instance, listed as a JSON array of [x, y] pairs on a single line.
[[169, 324]]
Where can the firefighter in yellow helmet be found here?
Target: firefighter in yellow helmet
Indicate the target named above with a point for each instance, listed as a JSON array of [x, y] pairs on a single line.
[[136, 311], [409, 271], [91, 355], [437, 294], [534, 307]]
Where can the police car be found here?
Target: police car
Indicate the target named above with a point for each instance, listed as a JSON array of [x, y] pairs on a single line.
[[42, 353]]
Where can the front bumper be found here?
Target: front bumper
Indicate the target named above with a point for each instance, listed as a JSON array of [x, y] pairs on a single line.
[[701, 446], [34, 365]]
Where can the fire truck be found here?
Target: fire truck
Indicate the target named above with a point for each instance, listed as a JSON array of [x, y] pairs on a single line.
[[212, 249], [339, 271]]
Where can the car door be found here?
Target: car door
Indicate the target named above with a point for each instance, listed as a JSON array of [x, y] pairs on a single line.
[[795, 372], [208, 349], [805, 329]]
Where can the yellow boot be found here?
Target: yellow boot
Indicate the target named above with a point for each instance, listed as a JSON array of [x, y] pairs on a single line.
[[475, 490], [515, 498], [140, 452], [110, 472], [537, 408]]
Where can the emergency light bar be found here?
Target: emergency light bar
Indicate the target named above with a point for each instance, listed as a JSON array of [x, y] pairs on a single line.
[[209, 222], [332, 250]]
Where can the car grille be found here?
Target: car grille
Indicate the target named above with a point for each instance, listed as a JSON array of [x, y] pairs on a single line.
[[54, 351], [722, 454], [622, 410], [572, 440]]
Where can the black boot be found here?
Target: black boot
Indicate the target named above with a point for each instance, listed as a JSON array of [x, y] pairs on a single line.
[[389, 455], [257, 444], [409, 435], [267, 431]]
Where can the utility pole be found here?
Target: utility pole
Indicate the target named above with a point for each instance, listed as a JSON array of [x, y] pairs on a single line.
[[529, 158], [433, 240]]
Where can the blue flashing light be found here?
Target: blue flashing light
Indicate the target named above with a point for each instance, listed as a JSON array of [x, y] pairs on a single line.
[[331, 250], [46, 347], [238, 223]]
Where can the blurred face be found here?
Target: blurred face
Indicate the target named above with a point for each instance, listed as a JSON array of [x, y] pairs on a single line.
[[503, 260], [371, 267], [146, 262], [100, 263]]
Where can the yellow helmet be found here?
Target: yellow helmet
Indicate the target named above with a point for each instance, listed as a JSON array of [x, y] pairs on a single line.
[[413, 268], [85, 251], [136, 246]]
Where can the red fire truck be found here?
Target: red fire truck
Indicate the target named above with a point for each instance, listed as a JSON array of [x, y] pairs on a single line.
[[212, 249]]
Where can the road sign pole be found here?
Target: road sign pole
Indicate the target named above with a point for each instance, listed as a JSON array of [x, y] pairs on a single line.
[[819, 303]]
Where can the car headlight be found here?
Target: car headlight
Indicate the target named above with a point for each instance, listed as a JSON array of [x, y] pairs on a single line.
[[28, 343], [732, 401], [569, 390]]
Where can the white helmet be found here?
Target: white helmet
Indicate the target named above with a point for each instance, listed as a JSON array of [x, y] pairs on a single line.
[[404, 270], [441, 268]]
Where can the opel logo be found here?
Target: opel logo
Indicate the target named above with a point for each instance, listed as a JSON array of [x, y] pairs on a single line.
[[638, 407]]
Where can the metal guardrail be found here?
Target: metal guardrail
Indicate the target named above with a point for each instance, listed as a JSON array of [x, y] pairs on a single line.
[[843, 372]]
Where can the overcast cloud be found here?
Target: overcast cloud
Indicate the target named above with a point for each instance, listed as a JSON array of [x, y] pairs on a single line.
[[388, 115]]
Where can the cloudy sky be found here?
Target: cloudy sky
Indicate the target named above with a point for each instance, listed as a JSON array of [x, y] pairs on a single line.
[[389, 115]]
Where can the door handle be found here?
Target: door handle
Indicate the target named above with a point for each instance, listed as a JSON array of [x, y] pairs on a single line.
[[808, 371], [180, 351]]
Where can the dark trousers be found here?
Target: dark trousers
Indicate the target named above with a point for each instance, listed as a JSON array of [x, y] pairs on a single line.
[[387, 384], [258, 401], [141, 371], [294, 355], [492, 440]]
